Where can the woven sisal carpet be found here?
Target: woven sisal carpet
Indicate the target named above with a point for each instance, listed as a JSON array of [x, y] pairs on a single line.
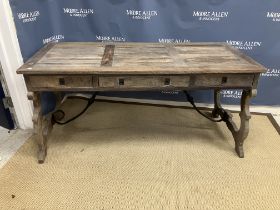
[[120, 156]]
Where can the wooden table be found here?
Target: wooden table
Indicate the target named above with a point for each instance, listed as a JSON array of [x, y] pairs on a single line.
[[87, 66]]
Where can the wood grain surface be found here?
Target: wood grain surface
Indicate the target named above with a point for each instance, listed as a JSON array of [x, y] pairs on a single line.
[[139, 58]]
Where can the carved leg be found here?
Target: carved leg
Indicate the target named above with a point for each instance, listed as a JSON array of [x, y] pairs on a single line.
[[217, 103], [241, 133], [42, 126]]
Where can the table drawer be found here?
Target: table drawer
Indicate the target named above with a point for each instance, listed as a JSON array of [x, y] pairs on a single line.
[[225, 80], [143, 81], [60, 82]]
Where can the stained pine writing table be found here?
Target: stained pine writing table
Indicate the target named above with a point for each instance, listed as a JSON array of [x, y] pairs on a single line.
[[88, 66]]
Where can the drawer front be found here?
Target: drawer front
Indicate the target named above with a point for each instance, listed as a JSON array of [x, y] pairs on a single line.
[[143, 81], [223, 80], [61, 82]]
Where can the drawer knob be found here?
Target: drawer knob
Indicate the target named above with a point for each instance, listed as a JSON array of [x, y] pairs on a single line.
[[121, 81], [224, 80], [167, 81], [61, 81]]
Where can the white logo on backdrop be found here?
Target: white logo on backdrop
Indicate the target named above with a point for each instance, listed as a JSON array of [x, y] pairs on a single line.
[[231, 93], [141, 14], [274, 16], [210, 15], [171, 92], [74, 12], [54, 38], [110, 38], [272, 73], [27, 17], [244, 45], [173, 40]]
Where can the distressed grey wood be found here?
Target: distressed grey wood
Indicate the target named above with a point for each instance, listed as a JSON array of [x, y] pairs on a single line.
[[217, 103], [241, 133], [42, 126], [63, 81], [224, 80], [138, 82], [143, 81], [107, 59], [140, 58], [87, 66]]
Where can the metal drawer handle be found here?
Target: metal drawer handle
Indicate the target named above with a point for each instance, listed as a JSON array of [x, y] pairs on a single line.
[[167, 81], [61, 81], [121, 81], [224, 80]]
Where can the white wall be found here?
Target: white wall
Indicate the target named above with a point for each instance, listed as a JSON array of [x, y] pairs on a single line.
[[11, 59]]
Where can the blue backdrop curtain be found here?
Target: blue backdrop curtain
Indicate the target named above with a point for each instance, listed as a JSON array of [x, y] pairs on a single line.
[[251, 26]]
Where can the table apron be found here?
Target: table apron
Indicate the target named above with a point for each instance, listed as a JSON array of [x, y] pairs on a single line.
[[138, 82]]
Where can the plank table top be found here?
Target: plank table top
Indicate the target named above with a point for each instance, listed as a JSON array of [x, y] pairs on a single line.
[[139, 58]]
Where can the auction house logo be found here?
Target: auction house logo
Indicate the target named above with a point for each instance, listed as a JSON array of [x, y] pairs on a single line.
[[141, 14], [210, 15], [170, 92], [244, 45], [274, 16], [231, 93], [163, 40], [271, 73], [78, 12], [110, 39], [54, 38], [26, 17]]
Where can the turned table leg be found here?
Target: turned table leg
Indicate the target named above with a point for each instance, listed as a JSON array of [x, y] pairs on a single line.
[[42, 126], [241, 133]]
